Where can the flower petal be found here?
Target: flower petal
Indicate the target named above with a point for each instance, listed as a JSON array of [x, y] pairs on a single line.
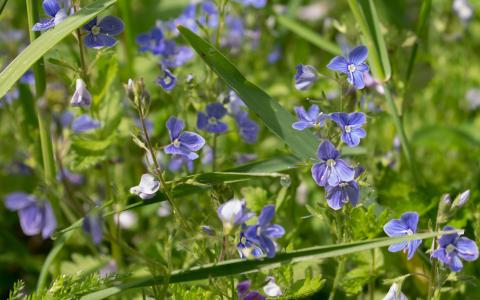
[[49, 220], [301, 125], [274, 231], [410, 219], [44, 25], [31, 219], [327, 151], [344, 171], [266, 216], [216, 110], [18, 200], [358, 55], [466, 249], [191, 140], [99, 41], [412, 247], [338, 63], [357, 80], [320, 173], [395, 228], [111, 25], [398, 247], [51, 7]]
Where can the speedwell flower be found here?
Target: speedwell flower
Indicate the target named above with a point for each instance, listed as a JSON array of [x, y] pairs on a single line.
[[247, 128], [210, 121], [147, 188], [305, 77], [166, 79], [244, 292], [351, 125], [233, 213], [246, 248], [55, 11], [82, 96], [332, 170], [264, 232], [183, 142], [453, 248], [35, 216], [406, 225], [353, 65], [100, 33], [84, 123], [92, 225], [311, 118]]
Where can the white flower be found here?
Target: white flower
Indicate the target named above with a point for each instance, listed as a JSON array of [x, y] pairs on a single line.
[[232, 213], [272, 289], [126, 219], [82, 96], [147, 188], [395, 294]]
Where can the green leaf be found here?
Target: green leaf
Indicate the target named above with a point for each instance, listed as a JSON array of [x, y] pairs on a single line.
[[47, 41], [275, 117], [309, 35], [239, 266], [365, 13]]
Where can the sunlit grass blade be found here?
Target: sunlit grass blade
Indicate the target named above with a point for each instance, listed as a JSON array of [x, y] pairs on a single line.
[[309, 35], [47, 41], [238, 266], [274, 116], [365, 13]]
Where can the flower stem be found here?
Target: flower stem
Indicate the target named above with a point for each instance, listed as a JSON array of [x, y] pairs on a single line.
[[336, 281], [214, 152], [81, 48], [224, 248], [407, 151]]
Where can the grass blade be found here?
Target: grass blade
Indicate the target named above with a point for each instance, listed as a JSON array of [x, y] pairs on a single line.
[[275, 117], [238, 266], [309, 35], [47, 41]]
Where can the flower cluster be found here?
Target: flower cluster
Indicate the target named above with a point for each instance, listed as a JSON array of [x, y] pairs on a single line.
[[451, 247]]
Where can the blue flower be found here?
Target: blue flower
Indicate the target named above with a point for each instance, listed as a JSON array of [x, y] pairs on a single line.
[[313, 118], [183, 142], [152, 41], [235, 33], [247, 249], [305, 77], [406, 225], [453, 247], [74, 178], [332, 170], [244, 293], [100, 34], [254, 3], [343, 193], [84, 123], [82, 96], [55, 11], [92, 225], [28, 78], [264, 232], [35, 216], [275, 55], [351, 125], [210, 121], [166, 80], [233, 213], [178, 56], [247, 128], [178, 161], [353, 65]]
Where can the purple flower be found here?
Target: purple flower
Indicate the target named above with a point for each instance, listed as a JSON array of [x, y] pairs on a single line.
[[264, 232], [233, 213], [35, 216], [453, 247], [100, 33], [406, 225], [343, 193], [92, 225], [353, 65], [56, 13], [178, 57], [235, 33], [311, 118], [73, 178], [84, 123], [244, 293], [66, 118], [152, 41], [254, 3], [210, 121], [82, 96], [28, 78], [247, 249], [247, 128], [275, 55], [166, 80], [178, 161], [351, 125], [183, 142], [305, 77], [332, 170]]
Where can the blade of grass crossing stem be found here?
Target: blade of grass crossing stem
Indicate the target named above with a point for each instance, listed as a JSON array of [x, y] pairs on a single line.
[[239, 266], [366, 15], [275, 117], [3, 6], [31, 54], [309, 35]]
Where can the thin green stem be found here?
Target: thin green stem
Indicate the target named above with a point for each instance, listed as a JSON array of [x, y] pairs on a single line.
[[371, 284], [224, 248], [214, 152], [336, 281], [407, 151], [81, 48]]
